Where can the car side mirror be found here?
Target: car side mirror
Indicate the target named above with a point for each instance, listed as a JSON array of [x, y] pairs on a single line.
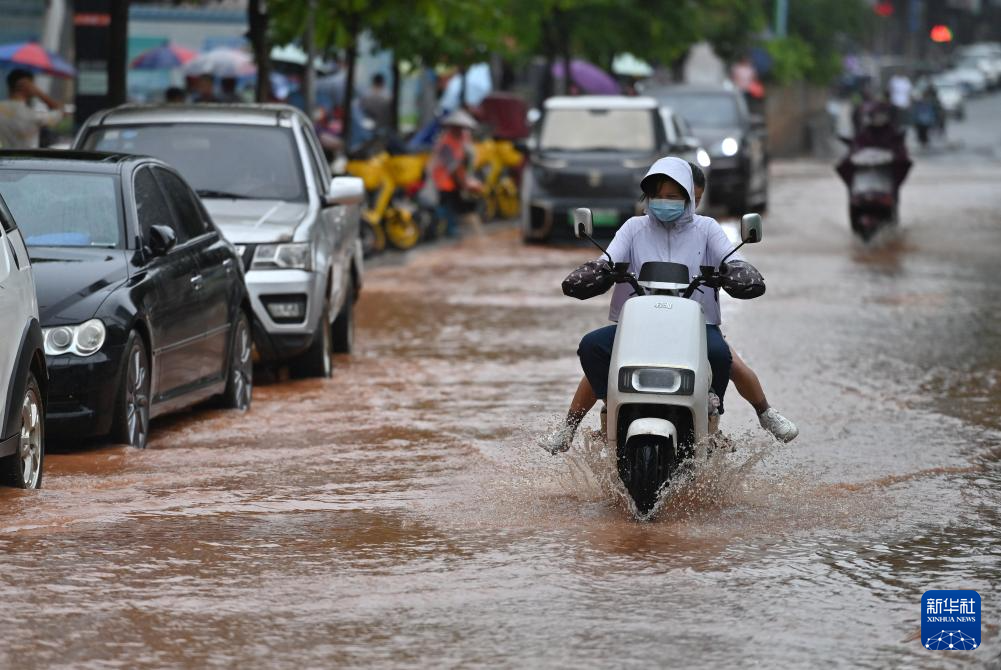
[[161, 240], [583, 223], [345, 191], [750, 228]]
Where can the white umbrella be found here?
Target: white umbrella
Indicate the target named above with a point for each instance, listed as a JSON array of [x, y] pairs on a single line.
[[294, 54], [478, 86], [629, 65], [222, 62]]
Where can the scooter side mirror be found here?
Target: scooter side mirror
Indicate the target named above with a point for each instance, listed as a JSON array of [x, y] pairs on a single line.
[[583, 224], [750, 228]]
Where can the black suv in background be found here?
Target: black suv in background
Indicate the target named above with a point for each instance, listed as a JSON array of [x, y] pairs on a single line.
[[735, 139], [592, 151]]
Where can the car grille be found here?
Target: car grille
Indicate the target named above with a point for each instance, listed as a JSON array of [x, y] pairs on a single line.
[[597, 182]]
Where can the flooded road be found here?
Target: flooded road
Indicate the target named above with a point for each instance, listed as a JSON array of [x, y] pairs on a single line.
[[400, 514]]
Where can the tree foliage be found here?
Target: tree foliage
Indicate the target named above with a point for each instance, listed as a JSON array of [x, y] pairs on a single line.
[[461, 32]]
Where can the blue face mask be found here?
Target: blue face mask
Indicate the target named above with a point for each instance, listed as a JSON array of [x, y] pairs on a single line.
[[665, 210]]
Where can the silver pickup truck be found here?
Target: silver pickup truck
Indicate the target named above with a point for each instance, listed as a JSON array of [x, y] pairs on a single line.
[[262, 176]]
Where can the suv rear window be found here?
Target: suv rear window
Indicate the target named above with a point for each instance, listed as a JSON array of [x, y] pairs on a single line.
[[598, 130], [218, 160]]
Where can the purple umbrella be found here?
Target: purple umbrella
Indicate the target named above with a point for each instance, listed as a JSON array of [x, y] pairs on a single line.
[[589, 77], [162, 58]]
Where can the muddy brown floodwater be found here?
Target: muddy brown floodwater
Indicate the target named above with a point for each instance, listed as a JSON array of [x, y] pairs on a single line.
[[399, 514]]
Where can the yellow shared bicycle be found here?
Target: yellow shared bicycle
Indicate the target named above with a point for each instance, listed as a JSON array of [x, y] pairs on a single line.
[[389, 216], [497, 160]]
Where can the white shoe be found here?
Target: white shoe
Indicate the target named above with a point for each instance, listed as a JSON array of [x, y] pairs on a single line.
[[557, 440], [782, 428]]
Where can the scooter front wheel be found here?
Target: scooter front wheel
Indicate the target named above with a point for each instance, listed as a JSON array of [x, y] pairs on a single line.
[[645, 467]]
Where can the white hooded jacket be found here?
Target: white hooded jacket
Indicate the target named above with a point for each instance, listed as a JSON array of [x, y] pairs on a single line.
[[692, 240]]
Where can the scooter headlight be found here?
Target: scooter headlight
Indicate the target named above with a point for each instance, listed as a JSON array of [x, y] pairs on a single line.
[[664, 381]]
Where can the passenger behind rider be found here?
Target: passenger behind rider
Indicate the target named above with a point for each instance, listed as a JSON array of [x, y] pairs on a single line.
[[668, 232], [742, 376]]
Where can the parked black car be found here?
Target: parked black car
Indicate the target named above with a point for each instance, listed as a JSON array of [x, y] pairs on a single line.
[[142, 302], [593, 150], [735, 138]]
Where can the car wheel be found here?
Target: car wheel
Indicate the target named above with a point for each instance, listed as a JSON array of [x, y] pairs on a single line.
[[315, 362], [240, 376], [132, 420], [24, 467], [343, 335]]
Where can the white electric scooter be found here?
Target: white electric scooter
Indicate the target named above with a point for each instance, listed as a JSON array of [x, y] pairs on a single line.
[[658, 405]]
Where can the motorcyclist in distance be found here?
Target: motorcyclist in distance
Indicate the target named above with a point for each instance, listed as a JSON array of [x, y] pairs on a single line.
[[878, 131]]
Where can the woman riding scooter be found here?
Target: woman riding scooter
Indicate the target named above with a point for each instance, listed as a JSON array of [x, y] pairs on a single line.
[[668, 232]]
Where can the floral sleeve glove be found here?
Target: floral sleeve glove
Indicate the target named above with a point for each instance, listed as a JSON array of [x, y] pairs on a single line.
[[590, 279]]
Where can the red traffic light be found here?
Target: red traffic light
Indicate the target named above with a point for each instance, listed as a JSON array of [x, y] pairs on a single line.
[[941, 33], [883, 8]]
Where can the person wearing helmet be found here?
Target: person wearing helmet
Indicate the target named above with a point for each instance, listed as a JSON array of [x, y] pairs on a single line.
[[669, 231], [452, 171], [879, 131]]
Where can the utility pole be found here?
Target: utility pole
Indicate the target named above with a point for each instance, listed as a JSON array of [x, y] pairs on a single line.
[[781, 18], [309, 81]]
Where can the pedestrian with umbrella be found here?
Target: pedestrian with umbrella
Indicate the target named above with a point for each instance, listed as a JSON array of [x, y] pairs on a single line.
[[164, 57], [20, 121]]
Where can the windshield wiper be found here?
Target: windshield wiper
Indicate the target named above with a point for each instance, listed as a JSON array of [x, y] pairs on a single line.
[[209, 193]]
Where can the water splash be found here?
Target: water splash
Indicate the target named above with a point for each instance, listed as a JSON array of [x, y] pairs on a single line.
[[709, 481]]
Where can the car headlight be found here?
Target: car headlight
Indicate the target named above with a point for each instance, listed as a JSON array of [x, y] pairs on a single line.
[[665, 381], [283, 256], [702, 157], [729, 146], [82, 340]]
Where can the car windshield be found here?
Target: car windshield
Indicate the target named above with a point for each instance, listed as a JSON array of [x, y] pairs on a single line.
[[598, 130], [64, 209], [704, 110], [223, 161]]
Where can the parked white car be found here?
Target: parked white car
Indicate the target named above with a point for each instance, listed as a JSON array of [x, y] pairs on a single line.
[[23, 376], [262, 176]]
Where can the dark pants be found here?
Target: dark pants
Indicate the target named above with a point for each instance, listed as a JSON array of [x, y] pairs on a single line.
[[595, 354], [452, 205]]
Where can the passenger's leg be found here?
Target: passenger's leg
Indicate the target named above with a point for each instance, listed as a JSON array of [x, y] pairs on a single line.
[[583, 401], [749, 387], [720, 361], [747, 383], [595, 354]]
